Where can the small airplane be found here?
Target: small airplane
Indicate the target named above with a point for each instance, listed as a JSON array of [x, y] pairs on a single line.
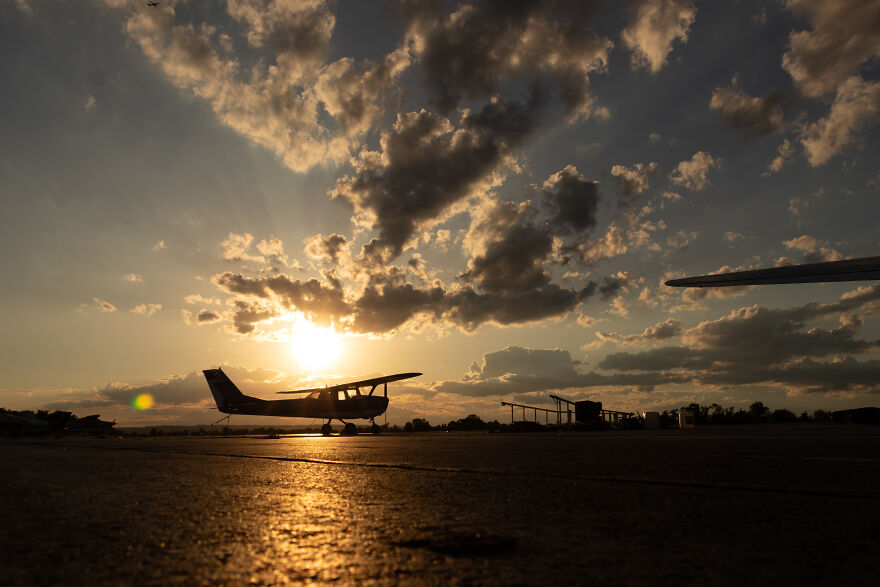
[[153, 4], [863, 269], [333, 402]]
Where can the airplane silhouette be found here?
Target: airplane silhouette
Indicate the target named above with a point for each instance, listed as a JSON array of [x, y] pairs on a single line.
[[153, 4], [332, 402], [863, 269]]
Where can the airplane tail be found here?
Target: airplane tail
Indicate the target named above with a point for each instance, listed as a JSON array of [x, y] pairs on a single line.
[[225, 393]]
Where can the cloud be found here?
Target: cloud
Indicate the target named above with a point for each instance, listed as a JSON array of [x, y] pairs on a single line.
[[278, 93], [146, 309], [784, 155], [665, 330], [754, 345], [357, 94], [511, 243], [472, 52], [320, 303], [754, 117], [199, 299], [693, 174], [328, 248], [630, 230], [236, 247], [511, 249], [103, 305], [653, 28], [160, 245], [273, 252], [517, 370], [636, 179], [680, 241], [207, 317], [24, 7], [845, 35], [572, 200], [856, 106], [814, 250], [246, 314], [388, 302], [732, 236], [90, 104], [426, 166], [135, 278]]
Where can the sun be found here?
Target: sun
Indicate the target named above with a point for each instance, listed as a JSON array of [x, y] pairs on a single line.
[[315, 348]]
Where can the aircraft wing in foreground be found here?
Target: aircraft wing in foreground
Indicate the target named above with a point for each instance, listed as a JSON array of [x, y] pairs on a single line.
[[866, 268]]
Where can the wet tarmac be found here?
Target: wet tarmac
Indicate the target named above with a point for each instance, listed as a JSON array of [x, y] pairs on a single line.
[[720, 505]]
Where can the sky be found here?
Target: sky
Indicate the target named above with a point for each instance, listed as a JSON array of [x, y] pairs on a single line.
[[490, 193]]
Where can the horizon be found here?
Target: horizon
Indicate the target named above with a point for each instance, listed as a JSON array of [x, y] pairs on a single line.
[[319, 193]]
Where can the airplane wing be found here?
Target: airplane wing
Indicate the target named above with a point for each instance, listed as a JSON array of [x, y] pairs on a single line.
[[866, 268], [357, 384]]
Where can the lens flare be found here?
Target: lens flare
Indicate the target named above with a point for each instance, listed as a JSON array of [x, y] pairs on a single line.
[[142, 402]]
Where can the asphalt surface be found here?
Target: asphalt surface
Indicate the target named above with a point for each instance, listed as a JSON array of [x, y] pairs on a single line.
[[775, 504]]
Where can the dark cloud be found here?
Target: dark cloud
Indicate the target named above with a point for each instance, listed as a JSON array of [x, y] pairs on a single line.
[[856, 107], [512, 249], [572, 200], [357, 94], [326, 248], [511, 243], [207, 316], [473, 52], [425, 166], [515, 370], [389, 301], [665, 330], [532, 362], [754, 117], [321, 303], [514, 262], [845, 34], [246, 314], [633, 181], [760, 345]]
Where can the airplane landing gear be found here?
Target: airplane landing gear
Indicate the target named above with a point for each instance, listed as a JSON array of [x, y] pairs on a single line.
[[326, 429], [350, 429], [375, 427]]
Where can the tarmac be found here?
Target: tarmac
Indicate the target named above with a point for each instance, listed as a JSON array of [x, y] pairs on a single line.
[[760, 504]]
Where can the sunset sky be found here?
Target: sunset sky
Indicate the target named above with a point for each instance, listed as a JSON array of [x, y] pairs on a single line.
[[307, 192]]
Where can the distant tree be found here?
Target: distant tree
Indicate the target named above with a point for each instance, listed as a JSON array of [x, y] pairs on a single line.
[[804, 417], [701, 413], [783, 415], [758, 411], [408, 427], [420, 425], [822, 416], [471, 422]]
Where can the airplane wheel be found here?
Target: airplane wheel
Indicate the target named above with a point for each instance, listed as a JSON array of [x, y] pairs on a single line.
[[351, 429], [375, 428], [326, 429]]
